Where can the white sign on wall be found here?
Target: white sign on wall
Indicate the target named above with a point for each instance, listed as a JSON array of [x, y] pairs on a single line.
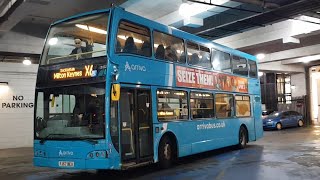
[[17, 102]]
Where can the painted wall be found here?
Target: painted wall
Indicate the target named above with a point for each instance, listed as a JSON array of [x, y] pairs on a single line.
[[22, 43], [16, 105], [299, 81]]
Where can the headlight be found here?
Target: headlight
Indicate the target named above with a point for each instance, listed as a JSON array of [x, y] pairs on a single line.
[[97, 154]]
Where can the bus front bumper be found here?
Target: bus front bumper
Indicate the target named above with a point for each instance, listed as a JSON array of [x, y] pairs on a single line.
[[64, 163]]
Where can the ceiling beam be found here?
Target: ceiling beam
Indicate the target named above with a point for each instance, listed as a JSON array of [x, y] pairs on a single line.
[[264, 18], [222, 6]]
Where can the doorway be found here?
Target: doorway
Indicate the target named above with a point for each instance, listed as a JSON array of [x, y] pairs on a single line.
[[315, 93], [136, 125]]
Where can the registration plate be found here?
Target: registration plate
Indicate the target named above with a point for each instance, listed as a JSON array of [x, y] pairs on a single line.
[[66, 164]]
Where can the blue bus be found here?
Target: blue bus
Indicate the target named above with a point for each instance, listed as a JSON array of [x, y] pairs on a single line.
[[115, 90]]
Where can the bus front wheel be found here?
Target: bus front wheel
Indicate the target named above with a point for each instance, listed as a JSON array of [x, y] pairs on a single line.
[[166, 152], [243, 138]]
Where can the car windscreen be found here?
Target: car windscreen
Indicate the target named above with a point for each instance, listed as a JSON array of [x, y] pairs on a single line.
[[274, 115]]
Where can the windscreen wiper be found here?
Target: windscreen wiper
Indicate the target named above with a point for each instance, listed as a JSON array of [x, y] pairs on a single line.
[[43, 140]]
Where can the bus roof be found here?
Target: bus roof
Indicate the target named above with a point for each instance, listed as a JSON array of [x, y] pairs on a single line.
[[174, 31], [80, 15]]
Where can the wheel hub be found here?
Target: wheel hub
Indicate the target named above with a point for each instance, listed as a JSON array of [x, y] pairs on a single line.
[[167, 151], [242, 138], [278, 126], [300, 123]]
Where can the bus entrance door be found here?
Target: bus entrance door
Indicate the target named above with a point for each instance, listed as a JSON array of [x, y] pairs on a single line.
[[136, 125]]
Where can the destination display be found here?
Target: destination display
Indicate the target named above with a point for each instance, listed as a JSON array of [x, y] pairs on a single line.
[[190, 77], [73, 73]]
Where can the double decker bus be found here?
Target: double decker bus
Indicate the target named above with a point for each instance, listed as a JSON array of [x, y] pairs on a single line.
[[115, 90]]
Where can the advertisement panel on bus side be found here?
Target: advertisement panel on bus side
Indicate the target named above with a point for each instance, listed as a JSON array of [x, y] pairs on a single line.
[[190, 77]]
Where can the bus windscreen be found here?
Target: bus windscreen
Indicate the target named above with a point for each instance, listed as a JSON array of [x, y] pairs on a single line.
[[72, 112], [76, 39]]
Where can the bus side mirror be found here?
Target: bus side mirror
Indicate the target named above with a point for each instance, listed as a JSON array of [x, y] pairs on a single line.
[[115, 92]]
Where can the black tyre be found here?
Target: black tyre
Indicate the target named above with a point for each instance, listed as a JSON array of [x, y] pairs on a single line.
[[278, 126], [300, 123], [243, 138], [166, 152]]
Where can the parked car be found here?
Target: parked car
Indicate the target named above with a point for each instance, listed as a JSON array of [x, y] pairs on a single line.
[[282, 119]]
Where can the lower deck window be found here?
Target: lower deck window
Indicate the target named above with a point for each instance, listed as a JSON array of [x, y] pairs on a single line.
[[243, 106], [224, 105], [172, 105], [201, 105]]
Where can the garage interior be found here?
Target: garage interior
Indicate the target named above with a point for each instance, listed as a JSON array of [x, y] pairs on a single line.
[[283, 34]]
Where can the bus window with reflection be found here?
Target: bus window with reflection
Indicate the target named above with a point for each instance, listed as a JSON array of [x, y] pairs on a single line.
[[224, 105], [76, 39], [133, 39], [253, 69], [201, 105], [172, 105], [198, 55], [168, 47], [221, 61], [239, 66], [243, 108]]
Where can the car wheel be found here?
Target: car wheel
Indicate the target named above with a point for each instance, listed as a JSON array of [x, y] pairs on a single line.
[[279, 126], [243, 138], [300, 123], [166, 152]]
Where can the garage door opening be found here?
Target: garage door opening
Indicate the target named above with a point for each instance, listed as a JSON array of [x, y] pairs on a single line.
[[315, 93]]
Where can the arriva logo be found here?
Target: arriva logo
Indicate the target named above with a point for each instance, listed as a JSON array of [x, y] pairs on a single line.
[[65, 153], [134, 67]]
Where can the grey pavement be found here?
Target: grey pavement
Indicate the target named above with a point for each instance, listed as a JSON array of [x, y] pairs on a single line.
[[288, 154]]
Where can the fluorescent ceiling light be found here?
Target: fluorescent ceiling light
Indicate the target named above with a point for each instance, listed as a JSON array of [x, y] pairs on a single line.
[[125, 38], [309, 58], [290, 40], [156, 46], [260, 56], [260, 74], [27, 62], [91, 29], [304, 25], [184, 10], [187, 10], [53, 41], [4, 87], [308, 18]]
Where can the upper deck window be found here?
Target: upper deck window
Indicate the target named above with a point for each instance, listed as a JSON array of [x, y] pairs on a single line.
[[168, 47], [76, 39], [253, 69], [198, 55], [133, 39], [221, 61], [239, 65]]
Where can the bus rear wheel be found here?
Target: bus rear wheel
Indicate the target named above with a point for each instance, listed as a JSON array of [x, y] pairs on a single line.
[[243, 138], [166, 152]]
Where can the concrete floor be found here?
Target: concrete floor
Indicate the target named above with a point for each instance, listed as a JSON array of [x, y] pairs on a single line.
[[288, 154]]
